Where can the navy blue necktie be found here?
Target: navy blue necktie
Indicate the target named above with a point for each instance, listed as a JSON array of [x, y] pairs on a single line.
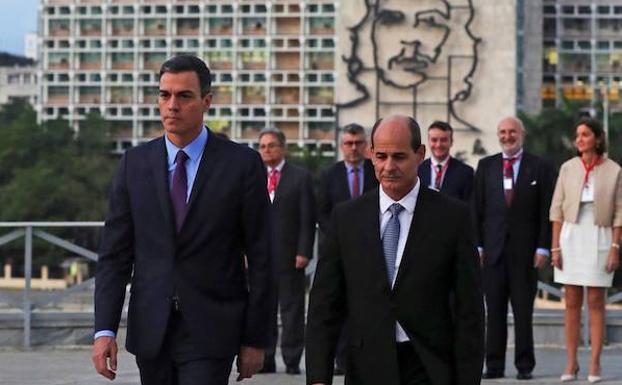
[[179, 192], [390, 238]]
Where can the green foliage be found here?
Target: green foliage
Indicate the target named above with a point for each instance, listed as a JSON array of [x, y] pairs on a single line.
[[49, 172]]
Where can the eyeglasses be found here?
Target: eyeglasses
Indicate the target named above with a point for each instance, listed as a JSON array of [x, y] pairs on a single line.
[[350, 143], [269, 146]]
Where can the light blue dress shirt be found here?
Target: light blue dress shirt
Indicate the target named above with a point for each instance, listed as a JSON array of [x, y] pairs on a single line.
[[194, 150]]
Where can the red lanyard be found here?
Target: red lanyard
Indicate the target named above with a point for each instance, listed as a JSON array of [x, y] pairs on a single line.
[[589, 168], [441, 172]]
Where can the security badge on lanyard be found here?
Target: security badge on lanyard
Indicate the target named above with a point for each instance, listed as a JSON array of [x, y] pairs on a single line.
[[587, 194]]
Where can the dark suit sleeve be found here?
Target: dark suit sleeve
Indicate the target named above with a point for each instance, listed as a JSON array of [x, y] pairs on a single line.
[[326, 314], [256, 232], [468, 184], [116, 255], [469, 308], [324, 201], [307, 218], [477, 204], [547, 186]]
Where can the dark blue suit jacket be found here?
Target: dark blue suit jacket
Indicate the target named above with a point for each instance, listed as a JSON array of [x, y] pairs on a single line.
[[203, 265], [458, 180]]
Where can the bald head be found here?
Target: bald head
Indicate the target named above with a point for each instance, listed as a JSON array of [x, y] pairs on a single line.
[[511, 135], [394, 122]]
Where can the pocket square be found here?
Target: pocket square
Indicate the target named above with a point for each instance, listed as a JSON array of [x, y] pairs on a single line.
[[533, 182]]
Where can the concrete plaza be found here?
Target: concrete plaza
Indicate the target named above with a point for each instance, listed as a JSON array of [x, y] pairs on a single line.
[[72, 366]]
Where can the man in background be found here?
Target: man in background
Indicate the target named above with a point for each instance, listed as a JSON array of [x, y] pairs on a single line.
[[292, 217]]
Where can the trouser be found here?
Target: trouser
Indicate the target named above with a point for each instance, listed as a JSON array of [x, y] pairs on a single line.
[[290, 302], [180, 363], [516, 282]]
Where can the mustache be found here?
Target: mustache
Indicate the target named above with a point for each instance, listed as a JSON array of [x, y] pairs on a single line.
[[414, 62]]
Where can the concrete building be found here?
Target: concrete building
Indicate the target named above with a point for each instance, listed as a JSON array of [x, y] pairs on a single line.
[[580, 54], [273, 63], [18, 79]]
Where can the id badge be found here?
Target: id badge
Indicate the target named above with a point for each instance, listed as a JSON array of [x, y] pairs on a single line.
[[508, 183], [587, 195]]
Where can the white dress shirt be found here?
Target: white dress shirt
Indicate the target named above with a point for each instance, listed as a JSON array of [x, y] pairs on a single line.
[[434, 169], [408, 202]]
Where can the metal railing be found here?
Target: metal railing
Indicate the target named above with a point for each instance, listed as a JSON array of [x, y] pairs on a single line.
[[28, 230]]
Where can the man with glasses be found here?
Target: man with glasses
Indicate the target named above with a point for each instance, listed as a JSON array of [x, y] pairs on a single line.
[[344, 180], [292, 218]]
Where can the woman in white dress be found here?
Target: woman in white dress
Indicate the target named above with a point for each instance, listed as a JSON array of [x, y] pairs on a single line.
[[586, 213]]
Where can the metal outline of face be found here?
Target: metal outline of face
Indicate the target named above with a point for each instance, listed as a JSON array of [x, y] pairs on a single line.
[[385, 15]]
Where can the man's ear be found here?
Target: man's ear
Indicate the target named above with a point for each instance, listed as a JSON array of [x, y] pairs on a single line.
[[421, 151]]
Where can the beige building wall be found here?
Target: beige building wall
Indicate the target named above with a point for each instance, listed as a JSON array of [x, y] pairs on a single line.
[[493, 92]]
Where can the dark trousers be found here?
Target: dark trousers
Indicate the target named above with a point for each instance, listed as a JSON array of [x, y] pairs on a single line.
[[516, 282], [341, 354], [179, 362], [412, 371], [290, 302]]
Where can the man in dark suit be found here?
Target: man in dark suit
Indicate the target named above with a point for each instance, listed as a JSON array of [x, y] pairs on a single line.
[[345, 180], [441, 171], [184, 211], [511, 199], [393, 259], [292, 215]]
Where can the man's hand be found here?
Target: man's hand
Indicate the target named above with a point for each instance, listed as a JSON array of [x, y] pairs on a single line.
[[539, 260], [105, 356], [249, 362], [556, 259], [301, 262]]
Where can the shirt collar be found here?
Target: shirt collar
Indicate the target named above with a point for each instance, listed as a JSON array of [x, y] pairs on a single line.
[[194, 149], [350, 167], [517, 156], [408, 201], [435, 161], [279, 167]]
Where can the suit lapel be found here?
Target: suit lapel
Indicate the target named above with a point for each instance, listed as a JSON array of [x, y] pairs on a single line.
[[284, 180], [372, 244], [210, 157], [524, 174], [449, 175], [496, 177], [344, 184], [415, 250], [425, 173], [370, 176], [159, 168]]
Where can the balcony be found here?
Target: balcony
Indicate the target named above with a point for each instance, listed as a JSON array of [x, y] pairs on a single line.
[[121, 95], [62, 64], [287, 61], [90, 61], [220, 26], [287, 95], [155, 27], [150, 95], [122, 27], [254, 26], [322, 26], [58, 28], [223, 95], [287, 26], [90, 28], [321, 95], [58, 95], [188, 27], [290, 129], [253, 95]]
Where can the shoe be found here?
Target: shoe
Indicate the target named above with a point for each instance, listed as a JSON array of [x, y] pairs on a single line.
[[592, 379], [492, 374], [524, 376], [293, 370], [569, 377], [268, 367], [339, 371]]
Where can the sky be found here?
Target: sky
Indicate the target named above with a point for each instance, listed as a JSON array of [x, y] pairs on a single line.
[[17, 17]]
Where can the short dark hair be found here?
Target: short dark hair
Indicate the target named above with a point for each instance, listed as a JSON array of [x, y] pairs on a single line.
[[594, 126], [280, 137], [189, 63], [415, 133], [443, 126], [353, 129]]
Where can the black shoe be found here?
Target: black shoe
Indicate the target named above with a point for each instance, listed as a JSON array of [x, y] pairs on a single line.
[[292, 370], [491, 374], [268, 367], [339, 371], [524, 376]]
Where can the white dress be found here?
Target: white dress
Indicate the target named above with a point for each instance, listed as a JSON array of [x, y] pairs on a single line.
[[584, 248]]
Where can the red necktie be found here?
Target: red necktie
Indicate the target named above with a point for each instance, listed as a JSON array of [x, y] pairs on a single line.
[[439, 177], [356, 188], [508, 173], [273, 180]]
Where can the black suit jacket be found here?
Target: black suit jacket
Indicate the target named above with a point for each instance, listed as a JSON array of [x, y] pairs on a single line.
[[292, 217], [524, 226], [458, 179], [203, 264], [439, 262], [334, 188]]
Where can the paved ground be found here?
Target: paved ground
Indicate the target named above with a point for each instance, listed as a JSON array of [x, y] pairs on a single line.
[[73, 367]]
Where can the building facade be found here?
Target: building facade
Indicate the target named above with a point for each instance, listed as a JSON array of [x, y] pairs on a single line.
[[18, 82], [580, 54], [273, 64]]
